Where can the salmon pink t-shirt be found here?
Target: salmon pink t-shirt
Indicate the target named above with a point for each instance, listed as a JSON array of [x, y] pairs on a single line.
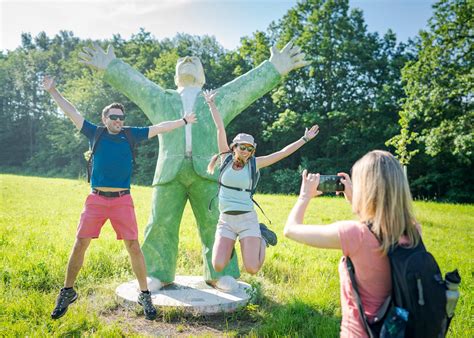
[[372, 276]]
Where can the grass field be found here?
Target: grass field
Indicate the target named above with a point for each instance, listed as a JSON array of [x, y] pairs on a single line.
[[297, 291]]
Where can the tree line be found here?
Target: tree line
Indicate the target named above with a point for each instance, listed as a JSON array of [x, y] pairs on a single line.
[[365, 90]]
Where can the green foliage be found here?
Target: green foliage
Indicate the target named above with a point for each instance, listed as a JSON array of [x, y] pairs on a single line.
[[437, 117], [353, 89], [295, 294]]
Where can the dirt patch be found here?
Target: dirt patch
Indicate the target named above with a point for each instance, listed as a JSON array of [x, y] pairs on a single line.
[[180, 324]]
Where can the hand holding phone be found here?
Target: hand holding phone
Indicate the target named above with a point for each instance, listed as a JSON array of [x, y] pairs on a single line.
[[330, 183]]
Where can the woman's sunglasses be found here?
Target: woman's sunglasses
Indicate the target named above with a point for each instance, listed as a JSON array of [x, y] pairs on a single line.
[[114, 117], [248, 148]]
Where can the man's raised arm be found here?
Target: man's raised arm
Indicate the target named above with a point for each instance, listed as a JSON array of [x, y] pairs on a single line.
[[126, 79], [238, 94], [65, 105]]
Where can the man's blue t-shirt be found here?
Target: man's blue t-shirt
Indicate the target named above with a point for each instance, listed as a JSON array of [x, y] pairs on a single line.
[[112, 162]]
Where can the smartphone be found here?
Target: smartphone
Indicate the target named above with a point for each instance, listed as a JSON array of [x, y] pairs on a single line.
[[330, 183]]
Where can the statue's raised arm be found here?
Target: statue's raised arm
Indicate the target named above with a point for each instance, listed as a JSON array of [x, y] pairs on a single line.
[[125, 79], [238, 94]]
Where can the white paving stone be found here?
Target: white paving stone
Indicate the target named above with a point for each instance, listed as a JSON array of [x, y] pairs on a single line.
[[191, 294]]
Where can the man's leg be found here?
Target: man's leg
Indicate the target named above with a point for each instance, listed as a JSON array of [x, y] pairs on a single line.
[[67, 295], [200, 194], [138, 266], [138, 262], [76, 259], [160, 246]]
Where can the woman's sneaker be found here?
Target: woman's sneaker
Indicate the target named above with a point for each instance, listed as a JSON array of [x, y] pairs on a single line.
[[66, 297], [269, 236], [144, 299]]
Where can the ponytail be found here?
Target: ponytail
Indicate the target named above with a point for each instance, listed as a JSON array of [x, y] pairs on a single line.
[[212, 164]]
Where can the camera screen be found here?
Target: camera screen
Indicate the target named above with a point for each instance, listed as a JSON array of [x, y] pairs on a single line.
[[330, 183]]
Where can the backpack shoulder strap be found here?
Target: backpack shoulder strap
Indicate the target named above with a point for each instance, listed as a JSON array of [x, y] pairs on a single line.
[[222, 167], [358, 300], [254, 175], [98, 133], [225, 164], [131, 141]]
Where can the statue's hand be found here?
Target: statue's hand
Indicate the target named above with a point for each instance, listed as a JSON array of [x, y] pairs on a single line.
[[96, 57], [289, 58]]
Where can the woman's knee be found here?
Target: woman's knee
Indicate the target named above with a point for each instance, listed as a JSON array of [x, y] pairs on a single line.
[[252, 268], [218, 264]]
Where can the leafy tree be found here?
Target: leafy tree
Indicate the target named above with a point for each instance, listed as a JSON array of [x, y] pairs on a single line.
[[351, 89], [437, 116], [354, 90]]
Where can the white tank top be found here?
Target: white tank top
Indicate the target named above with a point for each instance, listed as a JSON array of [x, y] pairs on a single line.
[[234, 200]]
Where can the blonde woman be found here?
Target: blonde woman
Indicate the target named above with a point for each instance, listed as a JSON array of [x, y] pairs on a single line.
[[380, 197], [237, 215]]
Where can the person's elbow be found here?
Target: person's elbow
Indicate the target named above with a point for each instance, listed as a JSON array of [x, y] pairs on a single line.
[[287, 230]]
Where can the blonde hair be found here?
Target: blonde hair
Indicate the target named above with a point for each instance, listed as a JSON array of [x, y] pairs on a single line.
[[381, 197], [212, 164]]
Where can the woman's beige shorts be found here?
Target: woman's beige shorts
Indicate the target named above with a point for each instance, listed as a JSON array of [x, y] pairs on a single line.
[[243, 225]]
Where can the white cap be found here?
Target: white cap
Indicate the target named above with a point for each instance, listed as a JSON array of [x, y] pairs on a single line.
[[244, 138]]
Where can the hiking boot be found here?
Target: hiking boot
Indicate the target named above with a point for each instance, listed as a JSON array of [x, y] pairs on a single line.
[[66, 297], [269, 236], [144, 299]]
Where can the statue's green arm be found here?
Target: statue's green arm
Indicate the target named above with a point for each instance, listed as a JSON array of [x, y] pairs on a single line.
[[149, 96], [235, 96]]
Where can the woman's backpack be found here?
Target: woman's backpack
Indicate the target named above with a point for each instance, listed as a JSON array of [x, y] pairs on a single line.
[[417, 287]]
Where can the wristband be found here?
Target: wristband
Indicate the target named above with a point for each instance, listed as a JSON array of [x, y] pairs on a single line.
[[185, 122], [305, 139]]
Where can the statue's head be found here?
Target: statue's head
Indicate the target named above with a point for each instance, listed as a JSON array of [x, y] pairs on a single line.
[[189, 72]]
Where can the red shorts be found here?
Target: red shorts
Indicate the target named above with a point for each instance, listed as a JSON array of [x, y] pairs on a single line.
[[98, 209]]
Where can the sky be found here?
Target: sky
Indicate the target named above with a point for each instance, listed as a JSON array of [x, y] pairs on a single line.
[[227, 20]]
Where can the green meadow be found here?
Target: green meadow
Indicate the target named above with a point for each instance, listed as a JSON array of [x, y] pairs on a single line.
[[296, 292]]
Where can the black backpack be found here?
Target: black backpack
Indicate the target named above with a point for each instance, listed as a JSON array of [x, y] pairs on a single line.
[[417, 286], [98, 133]]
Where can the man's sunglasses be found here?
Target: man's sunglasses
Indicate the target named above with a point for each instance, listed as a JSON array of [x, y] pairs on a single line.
[[114, 117], [248, 148]]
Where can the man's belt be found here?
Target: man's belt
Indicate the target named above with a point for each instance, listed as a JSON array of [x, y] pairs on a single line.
[[111, 193]]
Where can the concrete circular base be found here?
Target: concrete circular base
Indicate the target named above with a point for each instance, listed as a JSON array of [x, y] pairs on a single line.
[[191, 294]]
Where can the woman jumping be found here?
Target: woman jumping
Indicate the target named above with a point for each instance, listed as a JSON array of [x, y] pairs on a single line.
[[237, 215]]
